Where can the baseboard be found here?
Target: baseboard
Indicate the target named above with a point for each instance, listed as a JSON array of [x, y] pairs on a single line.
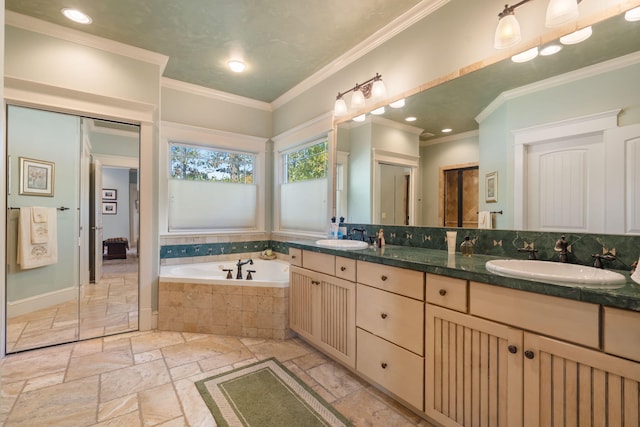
[[38, 302]]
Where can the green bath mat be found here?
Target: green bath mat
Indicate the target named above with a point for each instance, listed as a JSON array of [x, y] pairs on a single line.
[[266, 394]]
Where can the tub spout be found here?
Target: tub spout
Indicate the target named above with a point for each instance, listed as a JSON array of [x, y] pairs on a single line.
[[240, 264]]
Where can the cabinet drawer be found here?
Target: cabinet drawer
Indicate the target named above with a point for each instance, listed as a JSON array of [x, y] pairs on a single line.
[[393, 317], [295, 257], [447, 292], [569, 320], [622, 333], [346, 268], [394, 368], [324, 263], [401, 281]]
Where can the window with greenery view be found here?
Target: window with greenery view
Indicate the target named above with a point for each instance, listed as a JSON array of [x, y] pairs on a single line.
[[310, 162], [205, 164]]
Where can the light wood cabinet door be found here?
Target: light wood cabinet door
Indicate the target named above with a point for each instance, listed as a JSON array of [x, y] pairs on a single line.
[[473, 370], [568, 385], [322, 310]]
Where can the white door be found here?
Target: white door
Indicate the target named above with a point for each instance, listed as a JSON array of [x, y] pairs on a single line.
[[96, 219], [565, 185]]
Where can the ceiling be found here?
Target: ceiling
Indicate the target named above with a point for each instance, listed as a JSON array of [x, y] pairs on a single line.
[[283, 42]]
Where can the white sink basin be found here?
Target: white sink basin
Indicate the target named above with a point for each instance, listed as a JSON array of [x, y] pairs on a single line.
[[342, 244], [557, 273]]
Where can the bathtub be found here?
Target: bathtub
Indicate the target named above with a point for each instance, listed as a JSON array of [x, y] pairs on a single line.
[[268, 273], [199, 298]]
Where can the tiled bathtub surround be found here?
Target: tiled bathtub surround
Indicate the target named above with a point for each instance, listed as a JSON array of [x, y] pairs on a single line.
[[244, 311]]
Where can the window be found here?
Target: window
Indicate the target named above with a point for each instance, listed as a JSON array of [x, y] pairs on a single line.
[[310, 162], [303, 191], [211, 189], [206, 164]]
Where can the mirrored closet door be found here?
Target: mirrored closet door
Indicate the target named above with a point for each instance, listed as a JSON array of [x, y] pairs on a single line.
[[72, 228]]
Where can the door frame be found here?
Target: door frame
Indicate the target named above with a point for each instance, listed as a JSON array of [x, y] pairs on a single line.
[[38, 95], [396, 159]]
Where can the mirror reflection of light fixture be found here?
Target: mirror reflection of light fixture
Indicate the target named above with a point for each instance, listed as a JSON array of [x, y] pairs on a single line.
[[236, 65], [632, 15], [525, 56], [397, 104], [378, 111], [373, 88], [508, 34], [552, 49], [576, 36], [77, 16]]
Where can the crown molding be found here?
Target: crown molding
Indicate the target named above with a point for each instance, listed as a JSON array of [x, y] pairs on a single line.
[[451, 138], [54, 30], [214, 94], [562, 79], [401, 23]]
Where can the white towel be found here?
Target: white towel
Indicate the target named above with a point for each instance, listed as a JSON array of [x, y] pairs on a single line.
[[32, 255], [636, 274], [39, 225], [485, 220]]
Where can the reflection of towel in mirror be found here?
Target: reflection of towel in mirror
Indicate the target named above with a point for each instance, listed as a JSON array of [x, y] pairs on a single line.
[[484, 219], [31, 255], [39, 225]]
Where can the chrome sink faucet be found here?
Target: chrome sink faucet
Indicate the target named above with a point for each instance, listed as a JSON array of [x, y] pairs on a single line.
[[239, 264], [561, 246]]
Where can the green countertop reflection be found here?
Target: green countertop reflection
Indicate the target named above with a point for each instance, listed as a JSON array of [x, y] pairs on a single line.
[[473, 268]]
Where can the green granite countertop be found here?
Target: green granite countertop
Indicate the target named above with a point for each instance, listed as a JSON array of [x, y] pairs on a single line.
[[473, 268]]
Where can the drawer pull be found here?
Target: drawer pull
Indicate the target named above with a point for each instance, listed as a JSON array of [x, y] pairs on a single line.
[[383, 278], [293, 257], [383, 315], [383, 365], [343, 268], [315, 282], [442, 292], [512, 349], [528, 354]]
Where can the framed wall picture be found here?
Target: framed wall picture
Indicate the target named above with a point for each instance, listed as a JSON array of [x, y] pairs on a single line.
[[36, 177], [109, 194], [109, 208], [491, 187]]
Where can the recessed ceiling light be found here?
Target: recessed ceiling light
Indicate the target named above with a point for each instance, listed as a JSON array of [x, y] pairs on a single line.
[[633, 14], [411, 119], [446, 130], [360, 118], [76, 16], [236, 66], [525, 56], [550, 50], [577, 36], [397, 104], [378, 111]]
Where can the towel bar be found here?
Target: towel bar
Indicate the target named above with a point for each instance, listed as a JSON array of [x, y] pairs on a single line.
[[61, 208]]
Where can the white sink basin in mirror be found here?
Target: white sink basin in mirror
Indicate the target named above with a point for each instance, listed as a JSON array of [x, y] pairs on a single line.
[[558, 273], [342, 244]]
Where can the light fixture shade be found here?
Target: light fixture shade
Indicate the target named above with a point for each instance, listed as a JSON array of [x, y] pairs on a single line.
[[340, 108], [560, 12], [378, 90], [577, 36], [507, 32], [360, 118], [357, 100]]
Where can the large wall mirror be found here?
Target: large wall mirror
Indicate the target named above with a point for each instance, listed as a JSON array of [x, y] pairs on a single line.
[[72, 228], [442, 179]]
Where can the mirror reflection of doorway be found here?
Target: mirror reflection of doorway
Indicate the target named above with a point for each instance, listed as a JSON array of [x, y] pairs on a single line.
[[51, 298], [394, 194], [459, 201]]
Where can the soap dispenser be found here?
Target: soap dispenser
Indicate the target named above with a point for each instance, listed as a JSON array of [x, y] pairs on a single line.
[[342, 229], [333, 231], [466, 247]]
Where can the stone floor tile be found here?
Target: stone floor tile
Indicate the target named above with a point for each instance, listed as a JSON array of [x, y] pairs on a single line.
[[98, 363], [159, 405], [336, 379], [117, 407], [133, 379], [195, 410]]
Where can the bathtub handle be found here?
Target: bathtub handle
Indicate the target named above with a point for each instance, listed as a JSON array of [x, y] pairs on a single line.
[[228, 270], [249, 277]]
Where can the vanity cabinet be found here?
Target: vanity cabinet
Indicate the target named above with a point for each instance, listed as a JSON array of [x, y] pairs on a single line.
[[322, 309], [513, 361], [390, 329]]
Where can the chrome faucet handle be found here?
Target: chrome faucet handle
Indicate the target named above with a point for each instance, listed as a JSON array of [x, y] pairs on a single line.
[[598, 258]]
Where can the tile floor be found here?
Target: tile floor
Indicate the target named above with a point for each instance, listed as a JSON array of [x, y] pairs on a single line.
[[107, 307], [147, 379]]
